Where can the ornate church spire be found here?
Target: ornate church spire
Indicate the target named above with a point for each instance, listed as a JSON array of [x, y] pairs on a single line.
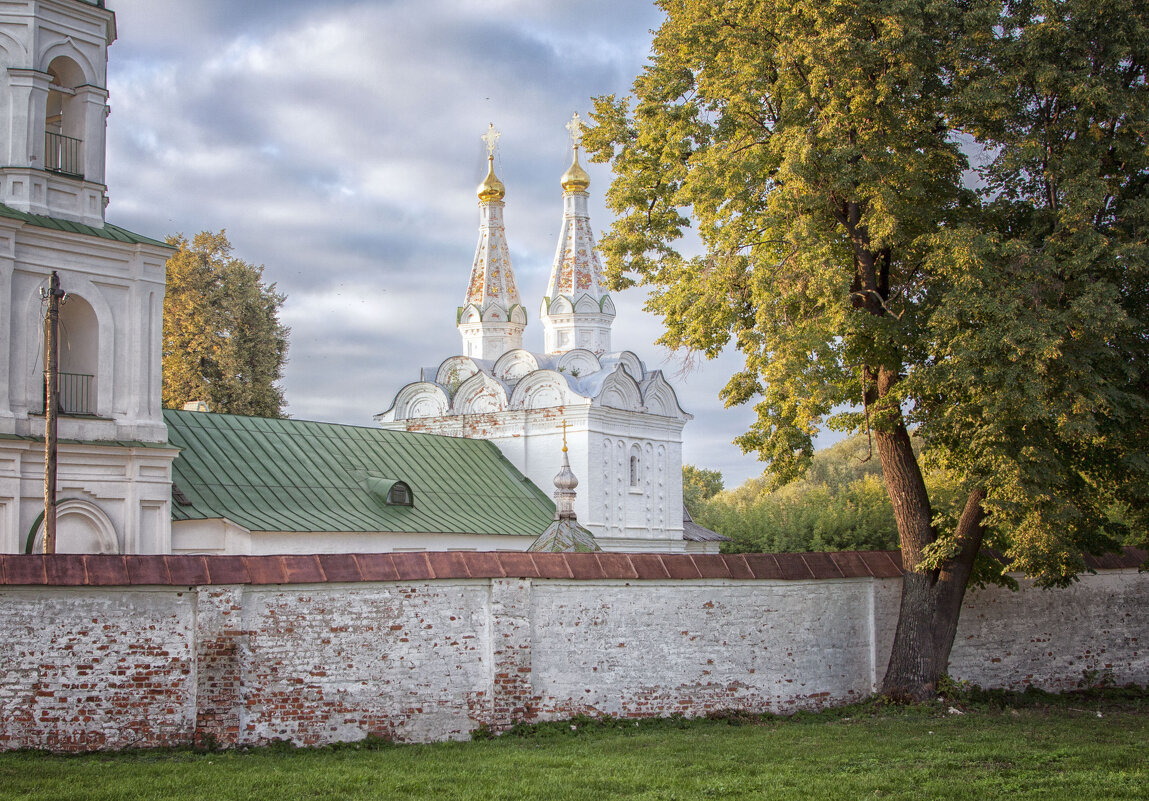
[[491, 319], [565, 535], [577, 310]]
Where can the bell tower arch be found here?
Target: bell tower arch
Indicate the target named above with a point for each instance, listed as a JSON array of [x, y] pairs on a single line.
[[54, 107]]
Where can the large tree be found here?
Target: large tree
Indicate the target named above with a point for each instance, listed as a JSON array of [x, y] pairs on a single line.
[[858, 261], [223, 342]]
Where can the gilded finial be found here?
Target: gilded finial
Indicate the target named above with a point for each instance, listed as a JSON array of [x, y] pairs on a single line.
[[575, 179], [564, 436], [491, 188]]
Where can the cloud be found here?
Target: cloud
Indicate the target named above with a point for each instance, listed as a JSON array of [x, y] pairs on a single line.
[[338, 144]]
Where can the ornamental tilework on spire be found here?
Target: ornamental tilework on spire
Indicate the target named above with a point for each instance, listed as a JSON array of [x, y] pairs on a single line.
[[491, 319]]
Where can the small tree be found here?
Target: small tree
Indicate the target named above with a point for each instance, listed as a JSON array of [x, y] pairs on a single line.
[[223, 342], [816, 146], [699, 485]]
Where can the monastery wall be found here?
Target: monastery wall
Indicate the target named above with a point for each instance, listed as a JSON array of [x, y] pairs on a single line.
[[135, 651]]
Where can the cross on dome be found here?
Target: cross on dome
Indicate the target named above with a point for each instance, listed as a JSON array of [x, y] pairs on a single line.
[[491, 137], [575, 129]]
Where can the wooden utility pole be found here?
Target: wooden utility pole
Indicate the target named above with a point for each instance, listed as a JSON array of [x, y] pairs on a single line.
[[51, 404]]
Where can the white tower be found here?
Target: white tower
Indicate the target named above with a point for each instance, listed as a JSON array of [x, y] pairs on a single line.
[[577, 310], [492, 317], [114, 476], [54, 106]]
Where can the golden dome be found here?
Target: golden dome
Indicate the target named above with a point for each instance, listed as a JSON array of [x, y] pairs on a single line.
[[491, 188], [575, 179]]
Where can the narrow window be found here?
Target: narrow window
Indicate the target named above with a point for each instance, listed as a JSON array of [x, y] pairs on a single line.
[[634, 470]]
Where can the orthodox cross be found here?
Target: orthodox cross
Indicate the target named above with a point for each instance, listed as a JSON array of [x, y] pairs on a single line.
[[564, 436], [491, 137], [575, 128]]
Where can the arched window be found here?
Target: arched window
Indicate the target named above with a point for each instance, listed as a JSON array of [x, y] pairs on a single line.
[[64, 123], [79, 356], [635, 470]]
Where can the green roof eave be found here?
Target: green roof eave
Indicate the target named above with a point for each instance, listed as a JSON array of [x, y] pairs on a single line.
[[111, 232]]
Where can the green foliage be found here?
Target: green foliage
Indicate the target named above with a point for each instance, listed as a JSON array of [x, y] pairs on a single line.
[[814, 148], [223, 342], [699, 485], [840, 504]]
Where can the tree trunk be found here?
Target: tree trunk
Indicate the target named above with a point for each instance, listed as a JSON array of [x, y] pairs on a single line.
[[931, 599]]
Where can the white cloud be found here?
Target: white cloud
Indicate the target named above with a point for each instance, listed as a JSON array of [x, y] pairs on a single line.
[[338, 144]]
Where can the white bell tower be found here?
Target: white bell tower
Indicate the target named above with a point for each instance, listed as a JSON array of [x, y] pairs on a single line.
[[54, 107]]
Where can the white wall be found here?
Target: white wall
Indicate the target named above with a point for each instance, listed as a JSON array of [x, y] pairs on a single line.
[[428, 659]]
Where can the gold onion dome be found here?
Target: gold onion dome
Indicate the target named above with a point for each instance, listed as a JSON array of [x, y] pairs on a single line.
[[491, 188], [575, 179]]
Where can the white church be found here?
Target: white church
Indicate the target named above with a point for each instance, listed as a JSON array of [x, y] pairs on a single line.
[[623, 421], [447, 467]]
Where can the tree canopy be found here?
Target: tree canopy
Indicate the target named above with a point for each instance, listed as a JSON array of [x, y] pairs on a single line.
[[223, 342], [852, 253], [699, 485]]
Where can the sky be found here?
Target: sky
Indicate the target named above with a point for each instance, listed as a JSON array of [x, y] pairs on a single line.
[[339, 145]]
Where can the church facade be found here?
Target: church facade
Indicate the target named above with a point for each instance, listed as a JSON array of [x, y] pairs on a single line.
[[623, 420], [114, 475]]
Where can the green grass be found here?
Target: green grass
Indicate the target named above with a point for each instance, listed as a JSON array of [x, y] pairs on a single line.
[[1042, 750]]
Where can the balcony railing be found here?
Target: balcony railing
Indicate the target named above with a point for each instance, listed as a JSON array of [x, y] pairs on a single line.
[[62, 154], [75, 393]]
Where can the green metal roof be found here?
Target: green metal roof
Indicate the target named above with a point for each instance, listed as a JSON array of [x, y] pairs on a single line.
[[270, 474], [109, 231]]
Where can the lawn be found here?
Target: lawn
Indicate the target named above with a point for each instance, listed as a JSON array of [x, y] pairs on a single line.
[[1037, 751]]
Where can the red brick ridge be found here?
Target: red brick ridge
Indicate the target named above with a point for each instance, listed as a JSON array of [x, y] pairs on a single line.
[[95, 570]]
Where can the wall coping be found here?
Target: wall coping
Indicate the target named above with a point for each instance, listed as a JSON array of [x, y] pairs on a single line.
[[101, 570]]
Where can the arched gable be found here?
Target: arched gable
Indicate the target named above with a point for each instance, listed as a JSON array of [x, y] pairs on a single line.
[[608, 305], [421, 399], [454, 371], [620, 391], [480, 394], [559, 305], [587, 305], [514, 364], [578, 362], [542, 389], [659, 397], [627, 359]]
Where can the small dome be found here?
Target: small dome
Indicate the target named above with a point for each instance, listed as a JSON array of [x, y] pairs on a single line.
[[575, 179], [491, 188]]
